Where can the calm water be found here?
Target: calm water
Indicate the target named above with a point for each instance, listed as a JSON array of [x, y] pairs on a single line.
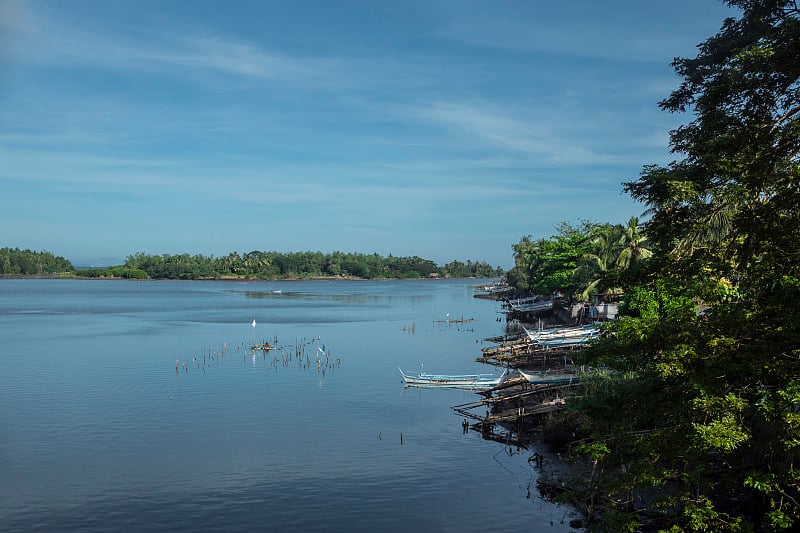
[[99, 432]]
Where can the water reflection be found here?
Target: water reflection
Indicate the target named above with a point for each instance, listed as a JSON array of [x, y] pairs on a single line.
[[97, 431]]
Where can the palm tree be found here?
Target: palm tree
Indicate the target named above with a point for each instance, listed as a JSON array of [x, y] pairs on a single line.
[[605, 243], [714, 227], [632, 242]]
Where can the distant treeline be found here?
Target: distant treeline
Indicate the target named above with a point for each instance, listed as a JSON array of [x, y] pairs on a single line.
[[276, 265], [14, 261], [264, 265]]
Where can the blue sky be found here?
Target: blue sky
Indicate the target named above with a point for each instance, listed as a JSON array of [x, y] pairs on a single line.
[[444, 129]]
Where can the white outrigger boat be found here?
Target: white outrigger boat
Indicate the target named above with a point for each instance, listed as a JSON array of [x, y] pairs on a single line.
[[566, 341], [532, 307], [563, 336], [546, 377], [453, 381]]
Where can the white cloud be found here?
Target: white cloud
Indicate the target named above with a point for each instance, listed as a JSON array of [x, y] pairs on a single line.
[[234, 57], [546, 136], [39, 37], [185, 116]]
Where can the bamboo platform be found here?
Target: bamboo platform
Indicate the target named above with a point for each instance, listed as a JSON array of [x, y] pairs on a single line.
[[515, 415], [524, 352], [517, 403]]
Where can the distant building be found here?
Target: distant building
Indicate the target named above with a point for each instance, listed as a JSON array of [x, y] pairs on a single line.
[[605, 306]]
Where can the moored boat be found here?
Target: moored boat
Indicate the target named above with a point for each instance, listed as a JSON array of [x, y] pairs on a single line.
[[563, 336], [539, 377], [456, 381], [564, 342], [533, 307]]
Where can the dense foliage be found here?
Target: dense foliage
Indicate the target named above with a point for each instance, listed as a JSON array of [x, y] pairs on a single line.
[[697, 426], [14, 261], [112, 272], [256, 264], [578, 261], [275, 265]]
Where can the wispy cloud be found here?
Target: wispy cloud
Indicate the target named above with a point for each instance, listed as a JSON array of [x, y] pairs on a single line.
[[36, 36], [175, 116], [534, 133], [238, 58]]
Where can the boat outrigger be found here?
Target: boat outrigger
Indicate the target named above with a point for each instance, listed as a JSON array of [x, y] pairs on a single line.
[[454, 381]]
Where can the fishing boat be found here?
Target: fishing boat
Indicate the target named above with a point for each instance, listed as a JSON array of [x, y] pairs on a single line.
[[534, 307], [454, 381], [563, 336], [565, 342], [541, 377]]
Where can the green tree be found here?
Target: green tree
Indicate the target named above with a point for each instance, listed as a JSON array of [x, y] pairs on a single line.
[[702, 420], [549, 265], [601, 258], [477, 269], [269, 265], [632, 244], [16, 261]]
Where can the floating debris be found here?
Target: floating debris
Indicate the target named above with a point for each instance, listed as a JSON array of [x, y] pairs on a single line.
[[449, 320]]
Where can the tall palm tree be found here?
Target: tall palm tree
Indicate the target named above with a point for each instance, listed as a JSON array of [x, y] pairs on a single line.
[[632, 242], [714, 226], [605, 244]]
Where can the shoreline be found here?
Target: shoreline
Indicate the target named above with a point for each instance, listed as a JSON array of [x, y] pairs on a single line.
[[68, 276]]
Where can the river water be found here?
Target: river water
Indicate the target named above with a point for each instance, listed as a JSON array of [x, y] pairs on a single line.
[[129, 405]]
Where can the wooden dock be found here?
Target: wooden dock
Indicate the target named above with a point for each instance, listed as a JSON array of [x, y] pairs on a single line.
[[516, 404], [524, 352]]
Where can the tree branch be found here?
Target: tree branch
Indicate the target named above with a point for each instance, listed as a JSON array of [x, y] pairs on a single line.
[[788, 114]]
